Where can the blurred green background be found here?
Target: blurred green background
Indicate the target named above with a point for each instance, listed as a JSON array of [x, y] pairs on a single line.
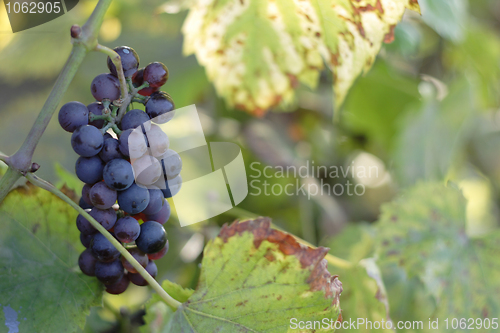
[[429, 109]]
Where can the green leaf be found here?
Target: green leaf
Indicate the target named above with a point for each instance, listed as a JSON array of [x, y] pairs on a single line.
[[447, 17], [364, 295], [257, 51], [435, 137], [382, 89], [256, 279], [424, 232], [176, 291], [39, 276]]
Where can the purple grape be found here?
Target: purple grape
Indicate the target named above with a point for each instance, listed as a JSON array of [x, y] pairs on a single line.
[[86, 239], [85, 193], [155, 202], [159, 103], [105, 217], [118, 287], [83, 204], [103, 250], [138, 80], [102, 196], [127, 229], [110, 150], [133, 118], [87, 262], [84, 226], [152, 237], [134, 199], [73, 115], [109, 272], [156, 74], [89, 169], [118, 174], [163, 214], [138, 280], [140, 256], [96, 108], [159, 254], [129, 60], [105, 86], [87, 141]]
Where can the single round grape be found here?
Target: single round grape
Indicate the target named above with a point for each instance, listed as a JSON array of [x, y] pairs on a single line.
[[158, 141], [138, 280], [127, 229], [134, 118], [138, 80], [172, 186], [123, 142], [118, 174], [171, 163], [73, 115], [96, 108], [155, 201], [102, 196], [110, 150], [105, 86], [84, 205], [105, 217], [103, 250], [89, 169], [152, 237], [147, 170], [87, 141], [159, 107], [163, 214], [118, 287], [86, 239], [140, 256], [85, 193], [137, 143], [87, 262], [156, 74], [134, 199], [84, 226], [109, 272], [129, 60], [159, 254]]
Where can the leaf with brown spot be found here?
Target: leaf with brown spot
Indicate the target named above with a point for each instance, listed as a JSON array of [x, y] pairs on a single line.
[[256, 51], [239, 295]]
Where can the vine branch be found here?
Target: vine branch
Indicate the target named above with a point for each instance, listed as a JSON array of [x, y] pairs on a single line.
[[37, 181]]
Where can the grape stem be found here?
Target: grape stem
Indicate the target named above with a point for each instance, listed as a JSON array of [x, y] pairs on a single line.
[[37, 181]]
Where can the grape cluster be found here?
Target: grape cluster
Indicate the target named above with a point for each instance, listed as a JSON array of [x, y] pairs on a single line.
[[126, 165]]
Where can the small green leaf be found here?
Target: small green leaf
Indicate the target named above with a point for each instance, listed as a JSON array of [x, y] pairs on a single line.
[[39, 276], [424, 232], [176, 291], [255, 279], [257, 51]]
